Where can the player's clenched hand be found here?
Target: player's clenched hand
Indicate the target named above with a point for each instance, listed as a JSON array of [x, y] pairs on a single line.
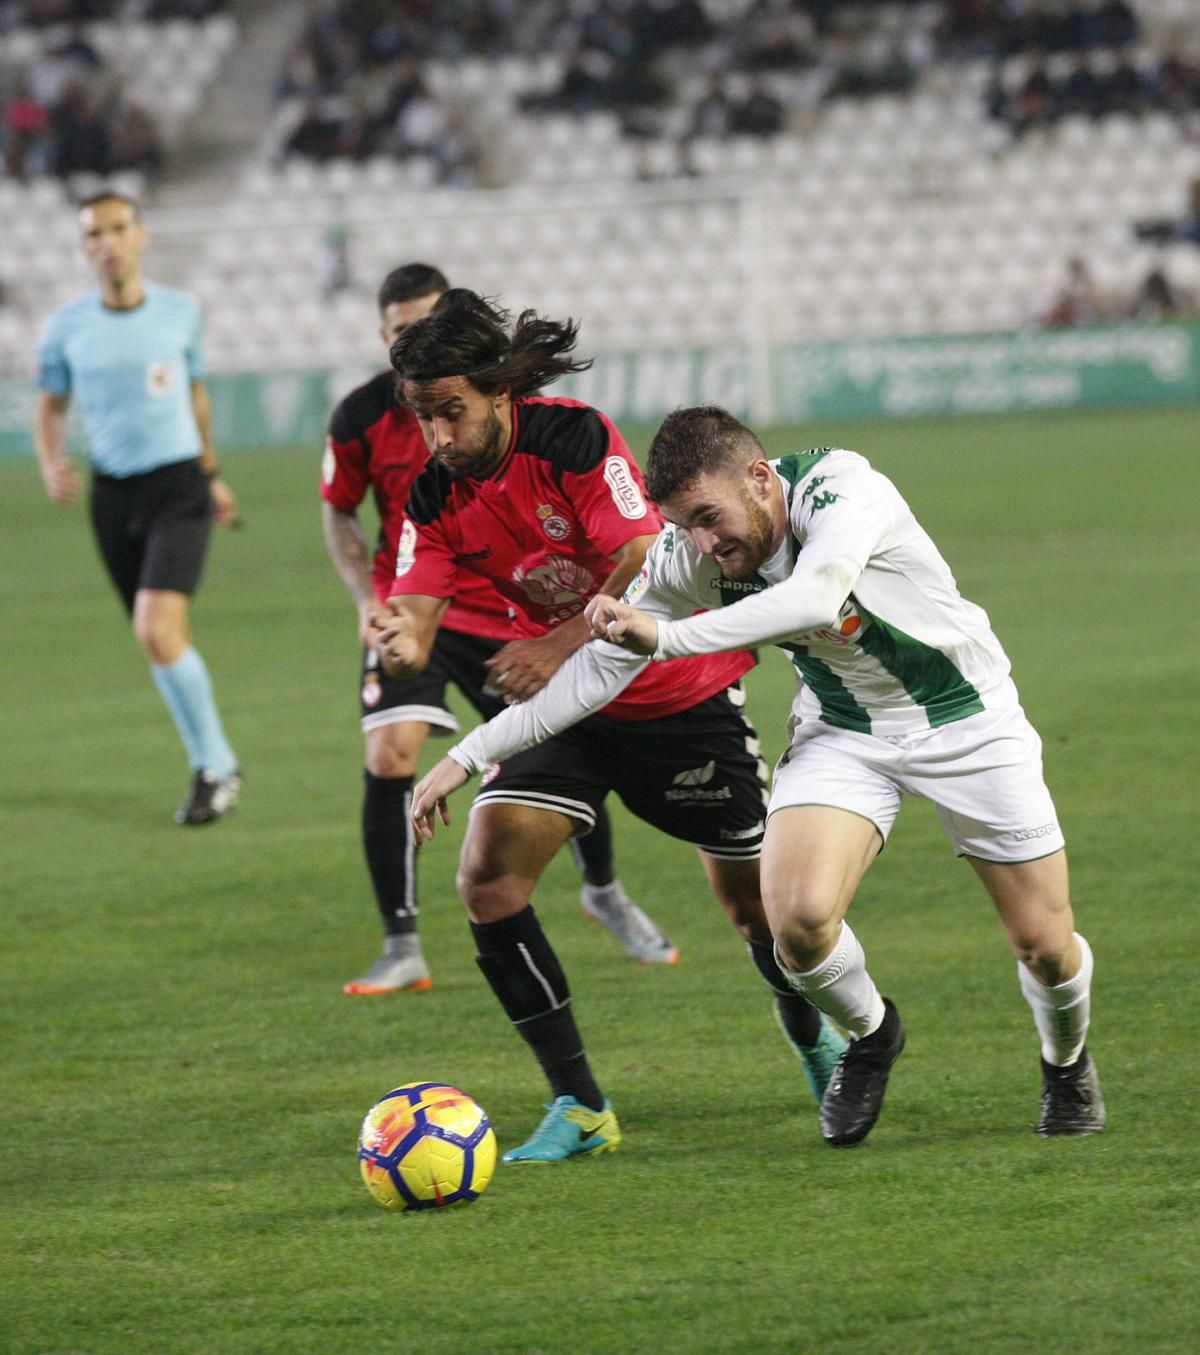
[[621, 624], [371, 620], [523, 667], [62, 484], [399, 650], [430, 794]]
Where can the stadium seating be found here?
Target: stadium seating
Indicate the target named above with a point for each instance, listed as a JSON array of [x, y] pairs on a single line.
[[902, 212]]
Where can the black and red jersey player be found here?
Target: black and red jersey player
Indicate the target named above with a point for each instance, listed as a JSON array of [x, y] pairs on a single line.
[[542, 497], [376, 448]]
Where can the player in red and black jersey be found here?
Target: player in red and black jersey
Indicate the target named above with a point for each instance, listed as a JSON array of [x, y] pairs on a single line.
[[542, 497], [376, 447]]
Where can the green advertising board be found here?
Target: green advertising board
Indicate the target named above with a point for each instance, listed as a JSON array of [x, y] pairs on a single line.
[[1091, 367]]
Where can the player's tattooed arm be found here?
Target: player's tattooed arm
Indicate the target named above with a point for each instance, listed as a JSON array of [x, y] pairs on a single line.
[[347, 546]]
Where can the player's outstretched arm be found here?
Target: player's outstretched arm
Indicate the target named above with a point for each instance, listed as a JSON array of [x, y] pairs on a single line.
[[621, 624], [430, 796]]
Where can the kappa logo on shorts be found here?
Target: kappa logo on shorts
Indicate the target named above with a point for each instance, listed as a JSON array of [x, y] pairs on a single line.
[[623, 488], [1029, 834], [690, 787]]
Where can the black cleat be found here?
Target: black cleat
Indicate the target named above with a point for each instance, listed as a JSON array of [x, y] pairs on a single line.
[[1071, 1100], [854, 1097], [209, 797]]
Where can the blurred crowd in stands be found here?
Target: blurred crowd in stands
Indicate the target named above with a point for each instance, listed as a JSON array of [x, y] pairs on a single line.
[[65, 112], [355, 71]]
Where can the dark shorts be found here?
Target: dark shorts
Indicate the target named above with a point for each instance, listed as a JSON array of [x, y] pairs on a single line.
[[456, 658], [697, 776], [153, 529]]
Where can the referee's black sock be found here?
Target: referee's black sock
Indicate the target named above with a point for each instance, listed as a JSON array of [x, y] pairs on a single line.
[[391, 852], [523, 970], [801, 1020]]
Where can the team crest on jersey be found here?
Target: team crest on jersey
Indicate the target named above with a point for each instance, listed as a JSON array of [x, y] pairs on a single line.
[[556, 582], [623, 488], [406, 554], [328, 463], [158, 378], [556, 527]]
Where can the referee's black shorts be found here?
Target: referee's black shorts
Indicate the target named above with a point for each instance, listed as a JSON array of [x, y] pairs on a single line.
[[455, 658], [153, 529], [697, 776]]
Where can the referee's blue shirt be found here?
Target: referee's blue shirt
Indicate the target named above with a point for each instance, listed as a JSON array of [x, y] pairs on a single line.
[[131, 373]]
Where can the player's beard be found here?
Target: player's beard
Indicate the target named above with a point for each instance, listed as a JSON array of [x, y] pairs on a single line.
[[752, 549], [476, 465]]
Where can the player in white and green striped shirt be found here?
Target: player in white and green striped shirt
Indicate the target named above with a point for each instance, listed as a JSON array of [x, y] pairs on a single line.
[[905, 690]]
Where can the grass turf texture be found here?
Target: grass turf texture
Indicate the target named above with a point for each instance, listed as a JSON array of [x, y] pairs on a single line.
[[183, 1079]]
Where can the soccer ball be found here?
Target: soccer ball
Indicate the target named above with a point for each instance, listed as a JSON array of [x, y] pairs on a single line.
[[426, 1146]]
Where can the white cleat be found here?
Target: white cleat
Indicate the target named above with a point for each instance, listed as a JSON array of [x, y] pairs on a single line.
[[644, 940]]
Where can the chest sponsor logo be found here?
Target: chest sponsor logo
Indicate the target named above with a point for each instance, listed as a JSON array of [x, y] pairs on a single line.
[[694, 787], [406, 554], [623, 488], [555, 582], [159, 378]]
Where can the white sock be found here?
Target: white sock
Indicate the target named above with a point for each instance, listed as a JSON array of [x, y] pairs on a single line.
[[1061, 1014], [841, 987]]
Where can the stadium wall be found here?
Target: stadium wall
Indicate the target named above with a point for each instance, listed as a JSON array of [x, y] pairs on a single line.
[[1089, 367]]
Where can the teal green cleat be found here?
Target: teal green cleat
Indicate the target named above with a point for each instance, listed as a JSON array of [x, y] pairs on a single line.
[[819, 1061], [569, 1129]]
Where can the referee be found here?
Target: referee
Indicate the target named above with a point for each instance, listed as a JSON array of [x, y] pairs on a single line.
[[130, 352]]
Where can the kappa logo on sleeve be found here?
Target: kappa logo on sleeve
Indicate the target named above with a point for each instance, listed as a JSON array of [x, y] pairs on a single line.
[[406, 555], [623, 488]]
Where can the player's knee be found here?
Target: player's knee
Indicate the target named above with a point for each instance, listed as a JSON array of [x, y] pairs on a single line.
[[160, 640], [488, 897], [805, 940], [392, 762], [1050, 956]]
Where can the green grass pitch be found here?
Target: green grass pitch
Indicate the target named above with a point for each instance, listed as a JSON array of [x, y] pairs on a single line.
[[183, 1079]]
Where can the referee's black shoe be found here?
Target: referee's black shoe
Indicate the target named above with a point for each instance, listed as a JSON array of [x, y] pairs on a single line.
[[1071, 1100], [209, 797], [854, 1097]]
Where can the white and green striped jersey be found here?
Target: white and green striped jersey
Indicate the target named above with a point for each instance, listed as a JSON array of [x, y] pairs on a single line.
[[857, 594]]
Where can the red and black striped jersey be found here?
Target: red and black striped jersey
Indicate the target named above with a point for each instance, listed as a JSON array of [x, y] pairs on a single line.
[[543, 528], [376, 445]]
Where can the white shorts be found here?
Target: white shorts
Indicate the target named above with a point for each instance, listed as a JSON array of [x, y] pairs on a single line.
[[983, 773]]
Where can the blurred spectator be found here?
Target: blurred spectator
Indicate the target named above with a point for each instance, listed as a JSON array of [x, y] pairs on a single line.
[[1078, 300], [710, 117], [1158, 299], [1185, 227], [758, 114], [26, 135], [135, 142]]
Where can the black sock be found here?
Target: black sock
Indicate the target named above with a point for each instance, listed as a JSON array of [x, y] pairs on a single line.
[[391, 851], [523, 970], [594, 853], [800, 1018]]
